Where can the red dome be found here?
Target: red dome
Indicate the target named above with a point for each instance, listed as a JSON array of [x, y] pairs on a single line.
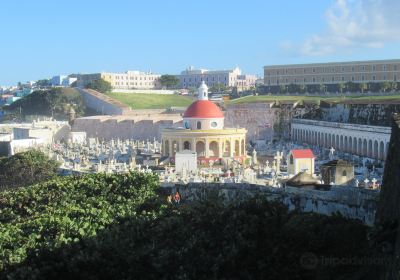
[[203, 109]]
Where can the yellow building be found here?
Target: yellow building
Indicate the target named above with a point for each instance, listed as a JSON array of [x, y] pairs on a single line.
[[203, 132], [127, 80], [300, 161]]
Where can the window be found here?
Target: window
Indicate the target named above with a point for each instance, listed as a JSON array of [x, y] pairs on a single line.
[[363, 68], [291, 159], [198, 125], [373, 77], [344, 173], [352, 68], [373, 68], [214, 124]]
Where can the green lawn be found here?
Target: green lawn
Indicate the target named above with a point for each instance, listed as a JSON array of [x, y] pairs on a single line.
[[334, 99], [151, 101]]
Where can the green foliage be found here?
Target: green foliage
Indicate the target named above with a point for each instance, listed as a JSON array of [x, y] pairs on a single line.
[[151, 101], [219, 88], [53, 102], [67, 210], [25, 169], [169, 81], [100, 85], [255, 239], [43, 83]]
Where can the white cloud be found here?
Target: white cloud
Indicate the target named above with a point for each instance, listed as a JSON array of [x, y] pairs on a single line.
[[354, 24]]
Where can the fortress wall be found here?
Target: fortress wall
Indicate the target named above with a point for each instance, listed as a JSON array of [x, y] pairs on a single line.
[[352, 203], [102, 103], [127, 127]]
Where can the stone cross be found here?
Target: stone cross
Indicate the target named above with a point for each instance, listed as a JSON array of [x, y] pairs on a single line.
[[366, 181]]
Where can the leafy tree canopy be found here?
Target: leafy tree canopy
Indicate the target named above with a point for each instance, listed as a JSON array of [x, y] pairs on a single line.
[[100, 85], [52, 102], [43, 83], [25, 169], [218, 88], [169, 81]]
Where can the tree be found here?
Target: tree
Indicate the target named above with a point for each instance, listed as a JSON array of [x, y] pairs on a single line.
[[100, 85], [322, 88], [303, 88], [363, 86], [293, 88], [25, 169], [49, 102], [218, 88], [169, 81], [43, 83], [393, 86], [341, 87], [385, 86]]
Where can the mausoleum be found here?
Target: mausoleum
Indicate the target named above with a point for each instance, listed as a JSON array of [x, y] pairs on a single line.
[[203, 132]]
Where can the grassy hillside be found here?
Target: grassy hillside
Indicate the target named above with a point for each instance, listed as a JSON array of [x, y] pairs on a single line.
[[151, 101], [335, 99]]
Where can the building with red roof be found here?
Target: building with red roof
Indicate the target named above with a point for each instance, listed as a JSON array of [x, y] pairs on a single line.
[[203, 132], [300, 160]]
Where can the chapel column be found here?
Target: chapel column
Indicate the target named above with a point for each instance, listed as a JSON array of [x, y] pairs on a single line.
[[220, 151], [194, 144], [231, 146], [207, 148]]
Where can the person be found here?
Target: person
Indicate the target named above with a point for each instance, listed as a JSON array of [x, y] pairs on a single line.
[[177, 198]]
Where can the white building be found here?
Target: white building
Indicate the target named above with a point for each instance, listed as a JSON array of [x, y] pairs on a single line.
[[300, 161], [62, 80], [364, 140], [186, 162], [127, 80], [231, 78]]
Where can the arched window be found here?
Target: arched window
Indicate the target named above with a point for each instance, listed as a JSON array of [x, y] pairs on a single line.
[[291, 159], [344, 173], [198, 125]]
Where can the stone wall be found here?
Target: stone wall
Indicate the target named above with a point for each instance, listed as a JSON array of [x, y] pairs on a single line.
[[353, 203], [138, 127], [264, 120], [103, 104], [367, 114]]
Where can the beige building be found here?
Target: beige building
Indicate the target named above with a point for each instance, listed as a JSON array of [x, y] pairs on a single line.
[[231, 78], [127, 80], [333, 73], [203, 132]]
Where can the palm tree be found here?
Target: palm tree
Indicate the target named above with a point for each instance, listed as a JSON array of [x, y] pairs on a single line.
[[341, 87], [393, 86], [363, 86], [385, 86]]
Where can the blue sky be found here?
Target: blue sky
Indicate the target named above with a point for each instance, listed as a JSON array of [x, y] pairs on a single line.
[[42, 38]]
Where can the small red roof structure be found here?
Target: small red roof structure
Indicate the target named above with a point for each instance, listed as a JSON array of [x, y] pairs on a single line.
[[306, 153], [203, 109]]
